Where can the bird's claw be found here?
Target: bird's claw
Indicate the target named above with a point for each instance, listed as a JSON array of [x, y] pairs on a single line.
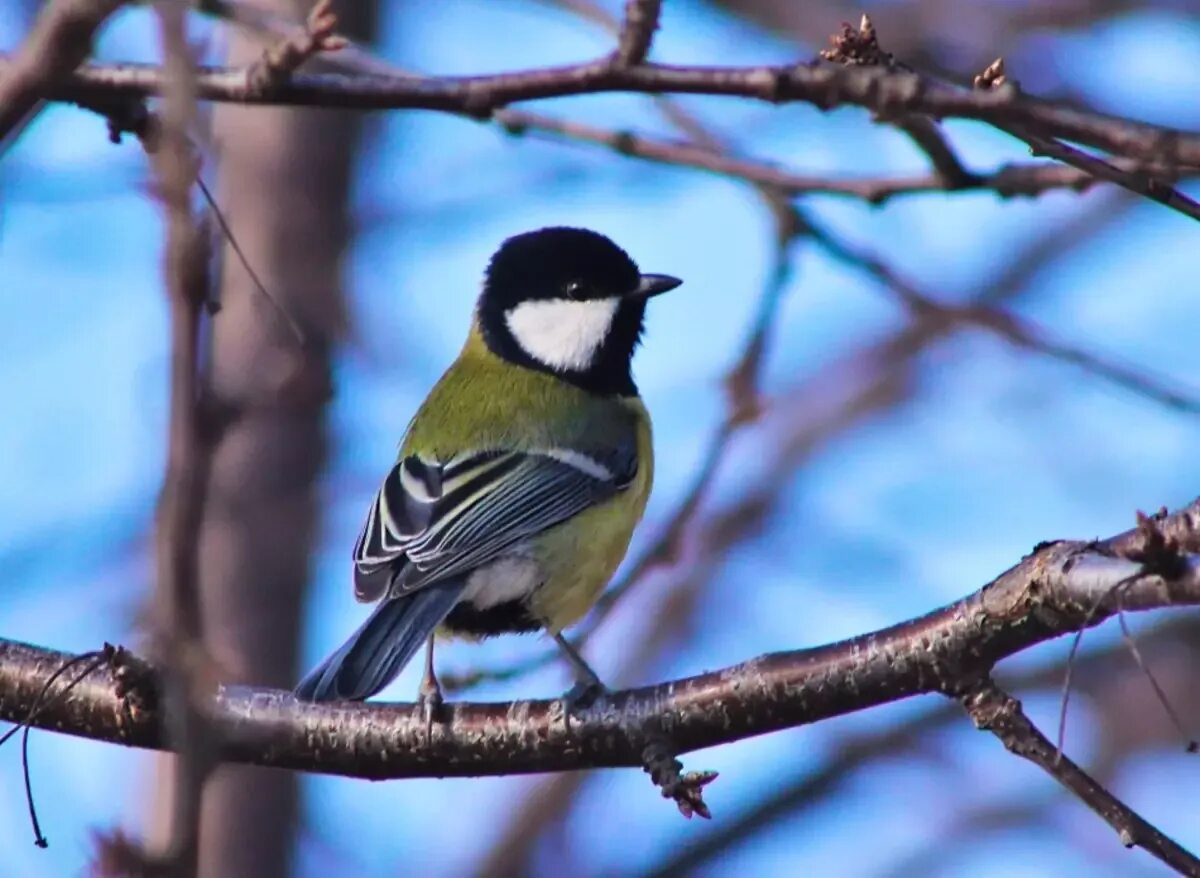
[[433, 706], [581, 696], [584, 693]]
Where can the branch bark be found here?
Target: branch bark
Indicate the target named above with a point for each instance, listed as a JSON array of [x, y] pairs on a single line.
[[1106, 677], [178, 630], [884, 92], [637, 30], [949, 175], [60, 41], [1060, 588]]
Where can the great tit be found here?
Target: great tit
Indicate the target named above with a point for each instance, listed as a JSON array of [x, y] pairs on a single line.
[[520, 479]]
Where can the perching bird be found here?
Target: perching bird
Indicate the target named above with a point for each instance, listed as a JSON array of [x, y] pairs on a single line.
[[522, 476]]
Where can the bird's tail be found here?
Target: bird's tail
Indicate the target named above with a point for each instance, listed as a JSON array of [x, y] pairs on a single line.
[[378, 651]]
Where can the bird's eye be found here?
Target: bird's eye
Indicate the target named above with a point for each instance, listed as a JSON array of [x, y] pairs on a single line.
[[574, 289]]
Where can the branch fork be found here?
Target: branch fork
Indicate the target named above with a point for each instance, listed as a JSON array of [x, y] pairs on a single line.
[[279, 62]]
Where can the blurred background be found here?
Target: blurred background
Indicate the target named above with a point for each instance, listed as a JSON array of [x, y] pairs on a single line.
[[901, 461]]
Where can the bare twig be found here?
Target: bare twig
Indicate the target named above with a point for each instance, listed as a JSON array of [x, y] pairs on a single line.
[[1015, 330], [858, 750], [860, 48], [1007, 181], [996, 711], [1141, 182], [883, 92], [932, 141], [1190, 745], [280, 61], [125, 116], [60, 41], [1010, 180], [637, 31], [93, 660]]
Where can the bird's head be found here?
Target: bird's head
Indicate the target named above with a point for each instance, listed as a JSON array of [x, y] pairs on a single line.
[[569, 302]]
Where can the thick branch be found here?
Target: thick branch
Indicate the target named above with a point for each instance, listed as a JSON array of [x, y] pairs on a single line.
[[885, 92], [1060, 588]]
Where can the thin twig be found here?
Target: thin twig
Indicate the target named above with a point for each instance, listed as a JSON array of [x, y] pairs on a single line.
[[93, 661], [1018, 331], [637, 31], [292, 323], [1190, 744], [1014, 179], [994, 710], [134, 117], [685, 789], [860, 48], [280, 61], [1140, 182]]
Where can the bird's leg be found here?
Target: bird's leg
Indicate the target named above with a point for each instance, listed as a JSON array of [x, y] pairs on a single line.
[[430, 692], [588, 686]]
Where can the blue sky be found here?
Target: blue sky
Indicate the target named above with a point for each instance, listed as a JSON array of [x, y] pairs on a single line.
[[997, 449]]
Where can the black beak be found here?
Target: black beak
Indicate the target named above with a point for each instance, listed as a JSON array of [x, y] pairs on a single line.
[[653, 284]]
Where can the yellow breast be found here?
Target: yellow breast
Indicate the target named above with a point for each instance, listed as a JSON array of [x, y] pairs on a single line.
[[580, 556]]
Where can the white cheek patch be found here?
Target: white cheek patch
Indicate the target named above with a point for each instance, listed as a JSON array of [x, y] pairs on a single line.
[[562, 333]]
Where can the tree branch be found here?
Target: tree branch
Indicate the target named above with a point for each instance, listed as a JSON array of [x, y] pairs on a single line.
[[1007, 181], [884, 92], [178, 632], [60, 41], [1108, 671], [637, 31], [1017, 331], [861, 47], [1060, 588], [996, 711]]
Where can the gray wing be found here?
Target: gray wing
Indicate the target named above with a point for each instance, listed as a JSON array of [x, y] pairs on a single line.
[[432, 520]]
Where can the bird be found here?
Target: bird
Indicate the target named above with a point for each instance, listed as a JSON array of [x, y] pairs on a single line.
[[520, 480]]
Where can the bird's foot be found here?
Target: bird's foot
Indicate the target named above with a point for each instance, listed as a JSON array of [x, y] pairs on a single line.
[[433, 705], [581, 696]]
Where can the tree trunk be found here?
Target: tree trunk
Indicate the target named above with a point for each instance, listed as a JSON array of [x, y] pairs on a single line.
[[284, 184]]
